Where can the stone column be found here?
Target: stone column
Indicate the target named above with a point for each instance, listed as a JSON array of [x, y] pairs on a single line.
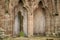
[[47, 23], [28, 5], [30, 24]]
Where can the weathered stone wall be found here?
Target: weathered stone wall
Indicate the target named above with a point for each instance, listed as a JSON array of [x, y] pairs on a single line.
[[9, 9]]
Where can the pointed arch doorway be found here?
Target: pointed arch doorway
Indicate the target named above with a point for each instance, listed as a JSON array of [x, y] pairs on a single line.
[[39, 20], [20, 24]]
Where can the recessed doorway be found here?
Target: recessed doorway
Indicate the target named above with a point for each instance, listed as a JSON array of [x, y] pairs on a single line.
[[39, 21], [20, 24]]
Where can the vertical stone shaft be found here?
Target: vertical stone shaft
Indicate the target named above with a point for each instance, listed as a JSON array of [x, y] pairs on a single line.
[[30, 24], [47, 23]]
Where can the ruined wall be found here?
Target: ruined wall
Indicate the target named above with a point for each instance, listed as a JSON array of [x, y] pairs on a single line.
[[8, 12], [39, 20], [2, 12]]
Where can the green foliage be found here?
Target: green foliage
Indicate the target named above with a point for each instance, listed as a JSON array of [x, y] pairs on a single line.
[[22, 34]]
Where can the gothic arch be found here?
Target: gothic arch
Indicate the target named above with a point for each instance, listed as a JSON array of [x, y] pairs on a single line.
[[39, 19], [23, 11], [42, 11]]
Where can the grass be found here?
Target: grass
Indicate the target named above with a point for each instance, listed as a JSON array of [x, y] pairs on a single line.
[[31, 38], [21, 34]]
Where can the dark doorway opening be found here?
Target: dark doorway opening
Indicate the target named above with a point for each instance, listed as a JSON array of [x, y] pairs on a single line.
[[18, 25], [20, 18]]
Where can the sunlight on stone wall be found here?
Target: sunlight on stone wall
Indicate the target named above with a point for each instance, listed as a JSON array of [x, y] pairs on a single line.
[[39, 21]]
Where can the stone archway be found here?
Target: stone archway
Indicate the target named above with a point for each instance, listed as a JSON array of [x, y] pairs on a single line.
[[21, 19], [39, 20], [17, 24]]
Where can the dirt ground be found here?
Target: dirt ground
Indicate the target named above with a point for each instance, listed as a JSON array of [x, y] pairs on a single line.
[[32, 38]]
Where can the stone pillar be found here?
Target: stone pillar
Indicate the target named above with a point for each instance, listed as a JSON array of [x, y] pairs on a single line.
[[28, 5], [47, 23], [30, 24], [56, 17]]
